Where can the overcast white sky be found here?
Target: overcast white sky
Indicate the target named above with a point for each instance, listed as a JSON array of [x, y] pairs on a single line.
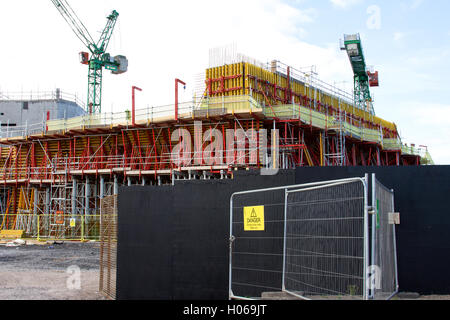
[[406, 40]]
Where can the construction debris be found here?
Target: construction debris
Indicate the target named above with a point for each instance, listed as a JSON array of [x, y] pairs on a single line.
[[16, 243]]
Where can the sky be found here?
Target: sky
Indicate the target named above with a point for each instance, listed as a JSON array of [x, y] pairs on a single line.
[[407, 41]]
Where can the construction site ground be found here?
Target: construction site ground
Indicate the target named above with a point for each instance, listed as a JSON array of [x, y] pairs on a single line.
[[39, 271]]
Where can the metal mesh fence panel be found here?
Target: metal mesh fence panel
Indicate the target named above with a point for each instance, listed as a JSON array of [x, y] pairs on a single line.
[[53, 227], [68, 227], [108, 246], [325, 245], [257, 244], [385, 282], [309, 241]]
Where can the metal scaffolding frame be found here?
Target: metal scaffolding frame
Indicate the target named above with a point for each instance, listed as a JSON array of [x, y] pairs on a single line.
[[66, 169]]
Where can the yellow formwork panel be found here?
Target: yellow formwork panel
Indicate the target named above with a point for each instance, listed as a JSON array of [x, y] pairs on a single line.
[[232, 82], [246, 81], [228, 82], [223, 72], [219, 74], [240, 81], [26, 200], [213, 76], [296, 86]]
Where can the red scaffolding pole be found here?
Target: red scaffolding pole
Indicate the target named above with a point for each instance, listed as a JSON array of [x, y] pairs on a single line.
[[133, 104], [177, 81]]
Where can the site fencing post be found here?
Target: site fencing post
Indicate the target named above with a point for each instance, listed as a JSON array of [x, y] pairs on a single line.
[[366, 238], [38, 228], [283, 287], [230, 293], [82, 227], [397, 287], [374, 221]]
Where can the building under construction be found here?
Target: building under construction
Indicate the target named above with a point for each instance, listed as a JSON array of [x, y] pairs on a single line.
[[52, 181]]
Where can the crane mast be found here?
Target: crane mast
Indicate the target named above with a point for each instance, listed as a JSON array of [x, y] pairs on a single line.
[[363, 79], [99, 58]]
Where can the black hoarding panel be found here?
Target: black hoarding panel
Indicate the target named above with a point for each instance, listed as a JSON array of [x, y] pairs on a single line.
[[173, 240], [423, 237]]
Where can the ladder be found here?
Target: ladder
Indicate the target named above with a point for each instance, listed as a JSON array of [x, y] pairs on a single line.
[[335, 151], [60, 203]]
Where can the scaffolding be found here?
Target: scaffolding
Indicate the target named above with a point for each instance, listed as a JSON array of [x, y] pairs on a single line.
[[53, 181]]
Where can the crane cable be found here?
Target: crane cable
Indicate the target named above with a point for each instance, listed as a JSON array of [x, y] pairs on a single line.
[[74, 23]]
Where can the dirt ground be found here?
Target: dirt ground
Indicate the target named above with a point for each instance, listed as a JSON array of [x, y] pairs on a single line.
[[40, 272]]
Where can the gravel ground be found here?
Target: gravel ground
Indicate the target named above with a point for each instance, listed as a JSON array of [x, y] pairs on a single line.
[[39, 272]]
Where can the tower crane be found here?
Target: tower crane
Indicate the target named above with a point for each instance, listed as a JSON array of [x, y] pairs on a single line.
[[99, 58], [363, 78]]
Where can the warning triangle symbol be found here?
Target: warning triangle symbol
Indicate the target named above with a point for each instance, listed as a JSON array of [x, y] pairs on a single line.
[[253, 214]]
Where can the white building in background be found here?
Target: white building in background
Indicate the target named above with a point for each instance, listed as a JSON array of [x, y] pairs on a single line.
[[27, 113]]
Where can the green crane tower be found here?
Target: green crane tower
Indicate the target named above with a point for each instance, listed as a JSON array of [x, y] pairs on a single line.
[[99, 58], [363, 79]]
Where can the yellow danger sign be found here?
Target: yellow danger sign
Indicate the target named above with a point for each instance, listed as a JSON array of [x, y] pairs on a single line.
[[72, 223], [254, 218]]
